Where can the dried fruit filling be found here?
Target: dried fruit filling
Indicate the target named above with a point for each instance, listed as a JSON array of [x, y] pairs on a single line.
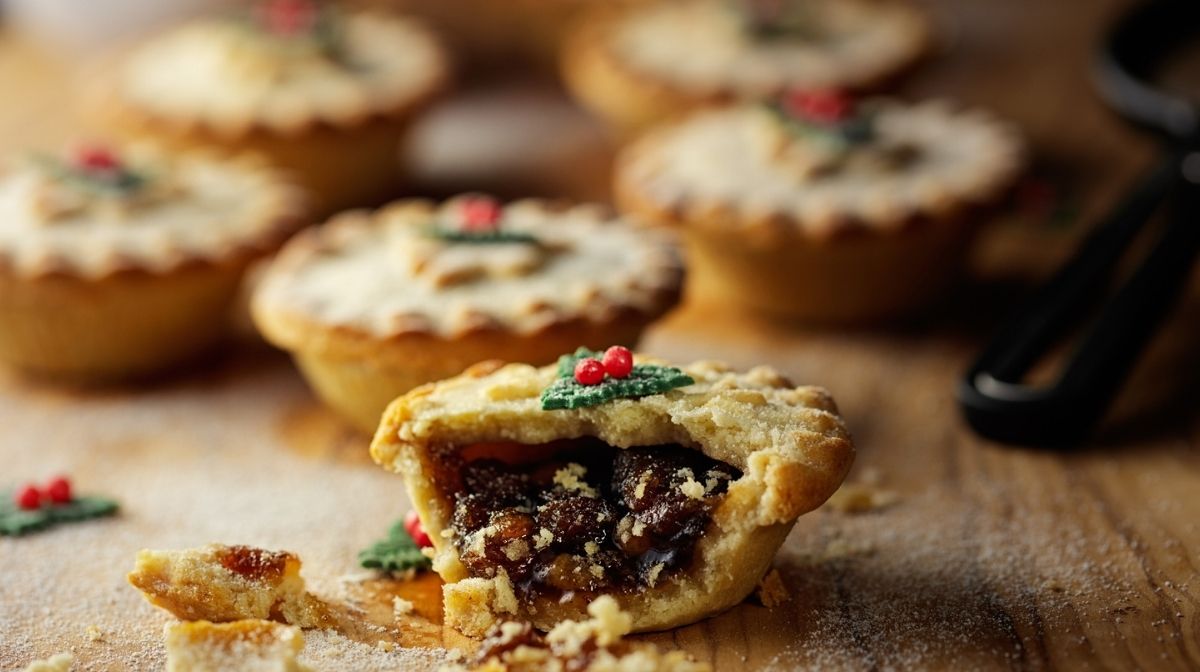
[[587, 517]]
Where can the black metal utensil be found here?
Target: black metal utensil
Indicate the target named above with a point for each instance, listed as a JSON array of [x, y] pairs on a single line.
[[995, 401]]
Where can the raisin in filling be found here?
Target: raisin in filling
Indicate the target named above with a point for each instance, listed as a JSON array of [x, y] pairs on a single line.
[[586, 518]]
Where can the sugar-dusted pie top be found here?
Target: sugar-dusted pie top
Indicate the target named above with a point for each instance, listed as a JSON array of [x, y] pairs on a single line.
[[704, 47], [923, 159], [229, 75], [147, 212], [386, 274], [788, 440]]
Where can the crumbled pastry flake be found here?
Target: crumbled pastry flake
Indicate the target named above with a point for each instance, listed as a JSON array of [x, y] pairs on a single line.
[[401, 607], [861, 498], [596, 643], [772, 591], [228, 583], [239, 646], [59, 662]]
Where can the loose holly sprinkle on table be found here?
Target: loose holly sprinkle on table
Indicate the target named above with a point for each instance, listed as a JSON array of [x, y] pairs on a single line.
[[401, 550], [31, 508]]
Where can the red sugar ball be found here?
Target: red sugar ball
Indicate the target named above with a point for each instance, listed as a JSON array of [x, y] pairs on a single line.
[[618, 361], [589, 371], [94, 157], [28, 497], [480, 213], [59, 490]]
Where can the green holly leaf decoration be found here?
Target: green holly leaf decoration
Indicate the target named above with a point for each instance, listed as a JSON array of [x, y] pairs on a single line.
[[644, 380], [397, 553], [117, 182], [842, 135], [15, 521], [493, 237], [777, 19]]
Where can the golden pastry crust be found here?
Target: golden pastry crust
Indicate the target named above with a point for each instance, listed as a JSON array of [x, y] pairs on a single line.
[[371, 307], [603, 70], [217, 212], [238, 646], [228, 583], [964, 159], [788, 442]]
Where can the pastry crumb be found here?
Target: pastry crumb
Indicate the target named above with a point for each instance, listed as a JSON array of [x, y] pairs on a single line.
[[252, 644], [772, 591], [94, 633], [593, 644], [385, 646], [401, 607], [854, 498], [60, 662]]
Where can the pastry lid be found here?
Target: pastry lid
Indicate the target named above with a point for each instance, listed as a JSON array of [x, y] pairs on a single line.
[[753, 48], [463, 266], [100, 211], [283, 65], [757, 170]]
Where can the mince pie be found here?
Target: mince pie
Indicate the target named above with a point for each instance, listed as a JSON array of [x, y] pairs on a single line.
[[668, 489]]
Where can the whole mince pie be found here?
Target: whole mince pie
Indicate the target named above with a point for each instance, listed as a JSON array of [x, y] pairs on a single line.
[[669, 489]]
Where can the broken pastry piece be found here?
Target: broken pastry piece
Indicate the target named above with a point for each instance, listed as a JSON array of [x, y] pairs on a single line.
[[673, 503], [59, 662], [594, 644], [240, 646], [228, 583]]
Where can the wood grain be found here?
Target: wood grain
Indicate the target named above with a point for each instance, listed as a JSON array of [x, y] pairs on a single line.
[[993, 558]]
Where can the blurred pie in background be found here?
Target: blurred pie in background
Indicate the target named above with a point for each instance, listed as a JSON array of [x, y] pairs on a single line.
[[324, 91], [116, 264], [821, 207], [372, 305], [646, 64]]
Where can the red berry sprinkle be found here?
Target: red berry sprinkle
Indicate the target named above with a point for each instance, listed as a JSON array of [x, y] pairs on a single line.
[[28, 497], [96, 158], [618, 361], [822, 106], [412, 523], [480, 213], [59, 490], [589, 371], [288, 17]]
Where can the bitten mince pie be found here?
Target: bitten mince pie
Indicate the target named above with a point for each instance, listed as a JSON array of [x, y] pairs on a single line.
[[318, 88], [820, 206], [654, 61], [120, 262], [668, 489], [595, 644], [372, 305]]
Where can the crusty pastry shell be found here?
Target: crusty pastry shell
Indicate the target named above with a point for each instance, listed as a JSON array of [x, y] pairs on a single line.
[[128, 319], [632, 100], [353, 161], [789, 443]]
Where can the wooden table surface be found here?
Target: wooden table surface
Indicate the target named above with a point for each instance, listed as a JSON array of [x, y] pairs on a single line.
[[992, 558]]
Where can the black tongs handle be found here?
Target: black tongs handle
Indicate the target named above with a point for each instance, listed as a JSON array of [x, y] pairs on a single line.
[[998, 405]]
